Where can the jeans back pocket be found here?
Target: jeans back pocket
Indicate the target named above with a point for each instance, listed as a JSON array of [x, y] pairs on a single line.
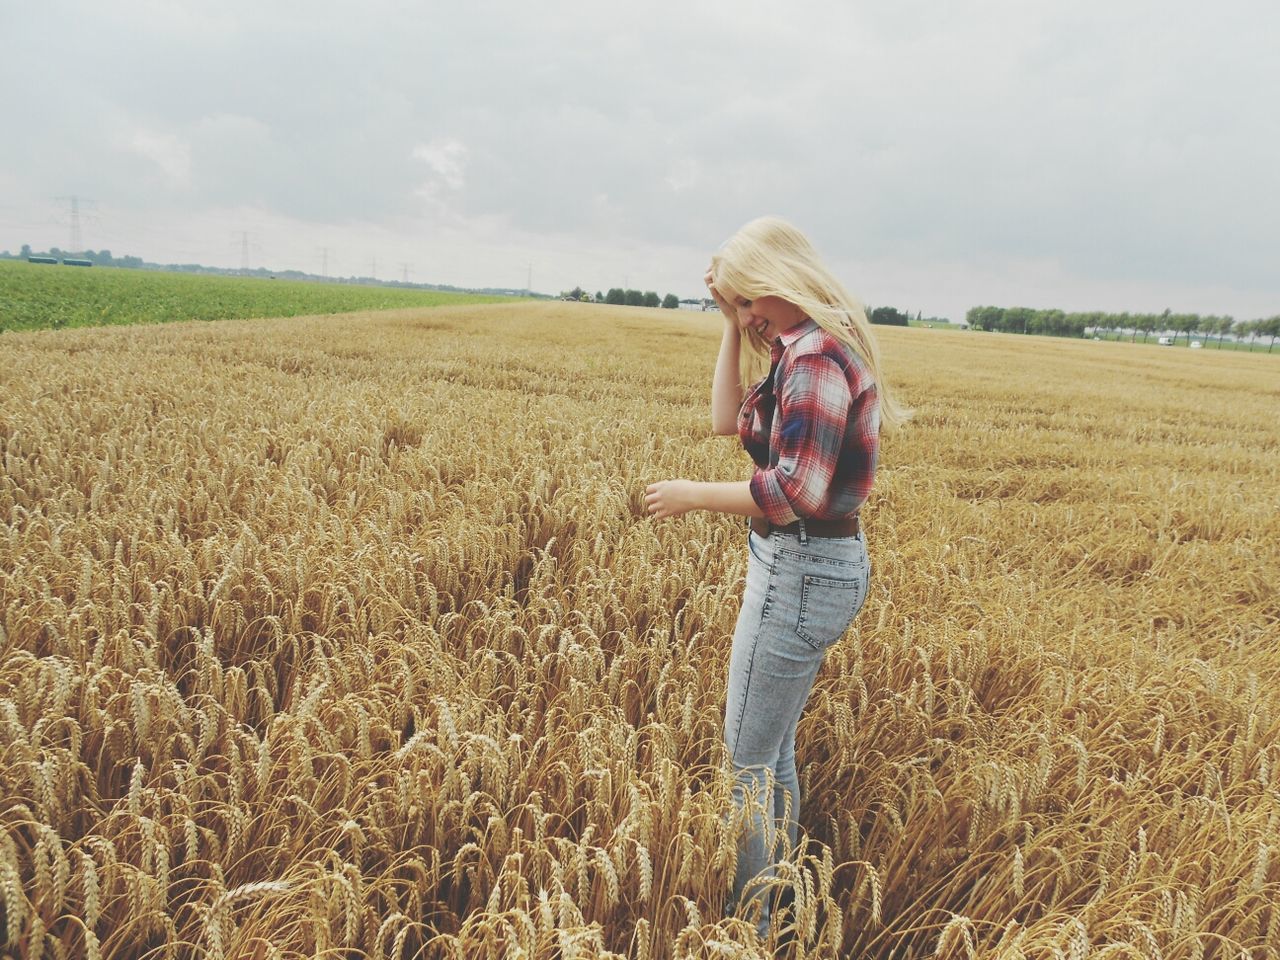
[[827, 607]]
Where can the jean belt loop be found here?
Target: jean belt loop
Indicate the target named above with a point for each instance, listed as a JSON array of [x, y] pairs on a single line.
[[804, 536]]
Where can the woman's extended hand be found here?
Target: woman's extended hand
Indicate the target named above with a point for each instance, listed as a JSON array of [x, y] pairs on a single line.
[[670, 498]]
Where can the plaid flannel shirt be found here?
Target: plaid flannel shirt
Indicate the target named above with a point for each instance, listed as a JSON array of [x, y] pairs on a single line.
[[812, 427]]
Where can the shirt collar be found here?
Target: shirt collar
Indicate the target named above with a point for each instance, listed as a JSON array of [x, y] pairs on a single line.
[[788, 337]]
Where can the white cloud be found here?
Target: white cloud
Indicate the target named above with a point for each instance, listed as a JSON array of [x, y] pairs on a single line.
[[682, 175], [234, 127], [446, 159], [169, 152]]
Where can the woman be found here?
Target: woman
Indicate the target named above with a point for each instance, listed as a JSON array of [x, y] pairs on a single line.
[[812, 428]]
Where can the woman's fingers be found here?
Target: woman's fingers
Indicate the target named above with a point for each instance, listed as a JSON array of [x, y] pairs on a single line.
[[653, 499], [669, 498]]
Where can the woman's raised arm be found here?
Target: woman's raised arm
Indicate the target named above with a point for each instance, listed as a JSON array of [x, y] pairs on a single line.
[[726, 383]]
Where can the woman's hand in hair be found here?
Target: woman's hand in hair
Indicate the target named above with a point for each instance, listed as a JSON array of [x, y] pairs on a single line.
[[670, 498], [721, 302]]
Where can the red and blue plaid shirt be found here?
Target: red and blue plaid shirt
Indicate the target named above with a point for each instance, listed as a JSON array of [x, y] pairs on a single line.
[[812, 427]]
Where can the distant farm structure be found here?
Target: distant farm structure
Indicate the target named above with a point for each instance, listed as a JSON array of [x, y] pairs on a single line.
[[66, 261]]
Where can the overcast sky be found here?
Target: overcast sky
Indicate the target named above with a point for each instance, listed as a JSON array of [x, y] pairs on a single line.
[[1098, 154]]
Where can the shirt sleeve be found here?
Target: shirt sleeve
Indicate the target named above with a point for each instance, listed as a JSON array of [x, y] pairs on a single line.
[[814, 400]]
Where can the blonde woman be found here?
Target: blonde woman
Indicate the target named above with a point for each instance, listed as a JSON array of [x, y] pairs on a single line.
[[811, 425]]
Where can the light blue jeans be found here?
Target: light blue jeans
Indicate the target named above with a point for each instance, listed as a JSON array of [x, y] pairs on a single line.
[[801, 595]]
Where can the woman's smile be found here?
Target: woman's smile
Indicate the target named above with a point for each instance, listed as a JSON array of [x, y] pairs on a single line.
[[768, 316]]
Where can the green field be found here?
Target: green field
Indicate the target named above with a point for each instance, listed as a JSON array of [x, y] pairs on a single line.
[[40, 296]]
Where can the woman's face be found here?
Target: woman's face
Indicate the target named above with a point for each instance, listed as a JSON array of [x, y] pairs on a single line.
[[768, 316]]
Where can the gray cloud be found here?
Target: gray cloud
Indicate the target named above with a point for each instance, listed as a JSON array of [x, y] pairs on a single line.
[[947, 153]]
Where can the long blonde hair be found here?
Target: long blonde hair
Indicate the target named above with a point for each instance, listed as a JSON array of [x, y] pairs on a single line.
[[770, 257]]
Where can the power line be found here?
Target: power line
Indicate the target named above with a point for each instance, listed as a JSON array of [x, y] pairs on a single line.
[[245, 244], [76, 245], [406, 268], [77, 242]]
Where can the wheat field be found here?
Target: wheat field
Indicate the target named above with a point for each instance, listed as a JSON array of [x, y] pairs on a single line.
[[348, 637]]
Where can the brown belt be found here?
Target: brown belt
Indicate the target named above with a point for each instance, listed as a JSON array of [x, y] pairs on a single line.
[[844, 527]]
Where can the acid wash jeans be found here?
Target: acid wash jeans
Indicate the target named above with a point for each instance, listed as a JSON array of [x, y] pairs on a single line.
[[801, 595]]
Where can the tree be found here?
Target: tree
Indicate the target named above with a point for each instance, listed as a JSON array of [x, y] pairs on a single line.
[[1052, 322], [1215, 324], [25, 251], [635, 298], [986, 318], [670, 302], [890, 316], [616, 295], [1271, 326], [1017, 319], [599, 297], [651, 299], [973, 317], [1228, 326]]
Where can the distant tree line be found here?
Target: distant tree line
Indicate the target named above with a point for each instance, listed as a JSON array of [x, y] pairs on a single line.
[[1026, 320], [1057, 323], [893, 317], [634, 298]]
